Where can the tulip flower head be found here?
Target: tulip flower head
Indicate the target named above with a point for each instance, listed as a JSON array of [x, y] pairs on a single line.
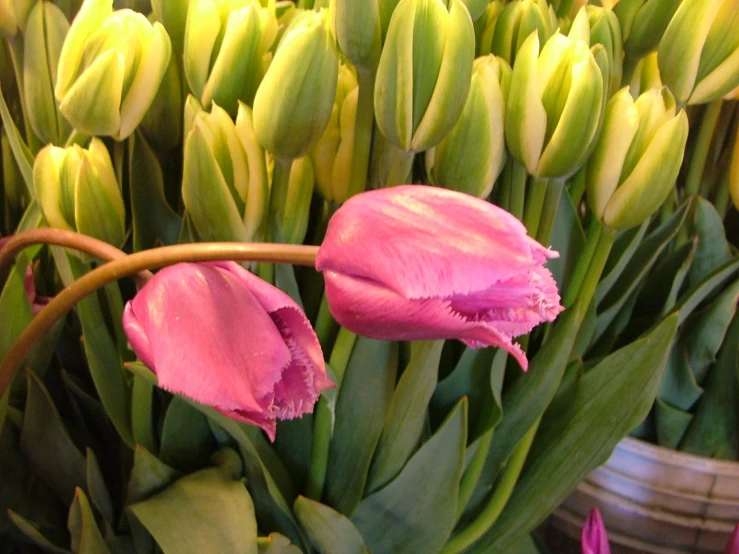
[[594, 538], [418, 262], [218, 334]]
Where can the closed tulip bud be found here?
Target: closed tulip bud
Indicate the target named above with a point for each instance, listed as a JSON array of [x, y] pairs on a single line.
[[332, 156], [110, 69], [224, 181], [605, 30], [518, 20], [14, 15], [292, 205], [643, 22], [359, 32], [699, 52], [470, 158], [162, 123], [424, 74], [646, 75], [294, 101], [45, 32], [594, 539], [227, 45], [637, 157], [554, 107], [78, 191], [220, 335], [422, 263], [485, 27]]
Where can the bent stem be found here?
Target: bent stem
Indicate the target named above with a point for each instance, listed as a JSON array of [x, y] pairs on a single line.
[[60, 237], [502, 494], [132, 264]]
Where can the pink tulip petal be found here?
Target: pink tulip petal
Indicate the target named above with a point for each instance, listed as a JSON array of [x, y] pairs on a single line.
[[732, 547], [594, 539], [426, 242], [210, 339], [397, 318]]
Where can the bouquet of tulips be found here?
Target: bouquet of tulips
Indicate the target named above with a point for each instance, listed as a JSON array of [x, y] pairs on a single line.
[[341, 276]]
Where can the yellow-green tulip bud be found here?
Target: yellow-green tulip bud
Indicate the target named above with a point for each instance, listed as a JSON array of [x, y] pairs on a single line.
[[637, 157], [14, 15], [518, 20], [292, 206], [554, 105], [643, 22], [227, 45], [110, 69], [699, 52], [45, 32], [224, 181], [485, 27], [162, 123], [173, 15], [294, 101], [359, 32], [78, 191], [605, 30], [476, 7], [471, 156], [424, 74], [332, 156], [646, 75]]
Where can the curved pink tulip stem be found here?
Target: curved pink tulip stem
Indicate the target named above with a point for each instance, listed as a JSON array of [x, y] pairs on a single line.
[[59, 237], [132, 264]]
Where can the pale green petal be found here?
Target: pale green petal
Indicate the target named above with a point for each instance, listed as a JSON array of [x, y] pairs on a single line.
[[98, 212], [257, 192], [201, 32], [48, 187]]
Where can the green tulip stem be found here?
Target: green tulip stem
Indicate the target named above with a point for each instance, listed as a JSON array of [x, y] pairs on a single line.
[[589, 266], [721, 199], [323, 418], [702, 145], [75, 137], [60, 237], [549, 211], [325, 324], [504, 184], [401, 163], [518, 190], [15, 48], [280, 186], [363, 123], [630, 64], [535, 195], [498, 500], [132, 264], [471, 476]]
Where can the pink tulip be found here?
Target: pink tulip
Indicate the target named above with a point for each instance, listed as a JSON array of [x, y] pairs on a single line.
[[218, 334], [418, 262], [732, 547], [594, 538]]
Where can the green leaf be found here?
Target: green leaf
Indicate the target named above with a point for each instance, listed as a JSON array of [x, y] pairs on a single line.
[[98, 490], [21, 152], [142, 422], [407, 413], [206, 511], [154, 222], [416, 511], [47, 445], [591, 425], [624, 247], [187, 442], [285, 281], [655, 296], [671, 423], [363, 401], [713, 249], [679, 387], [149, 476], [101, 349], [568, 238], [528, 397], [640, 266], [700, 291], [30, 531], [329, 531], [86, 537], [714, 431]]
